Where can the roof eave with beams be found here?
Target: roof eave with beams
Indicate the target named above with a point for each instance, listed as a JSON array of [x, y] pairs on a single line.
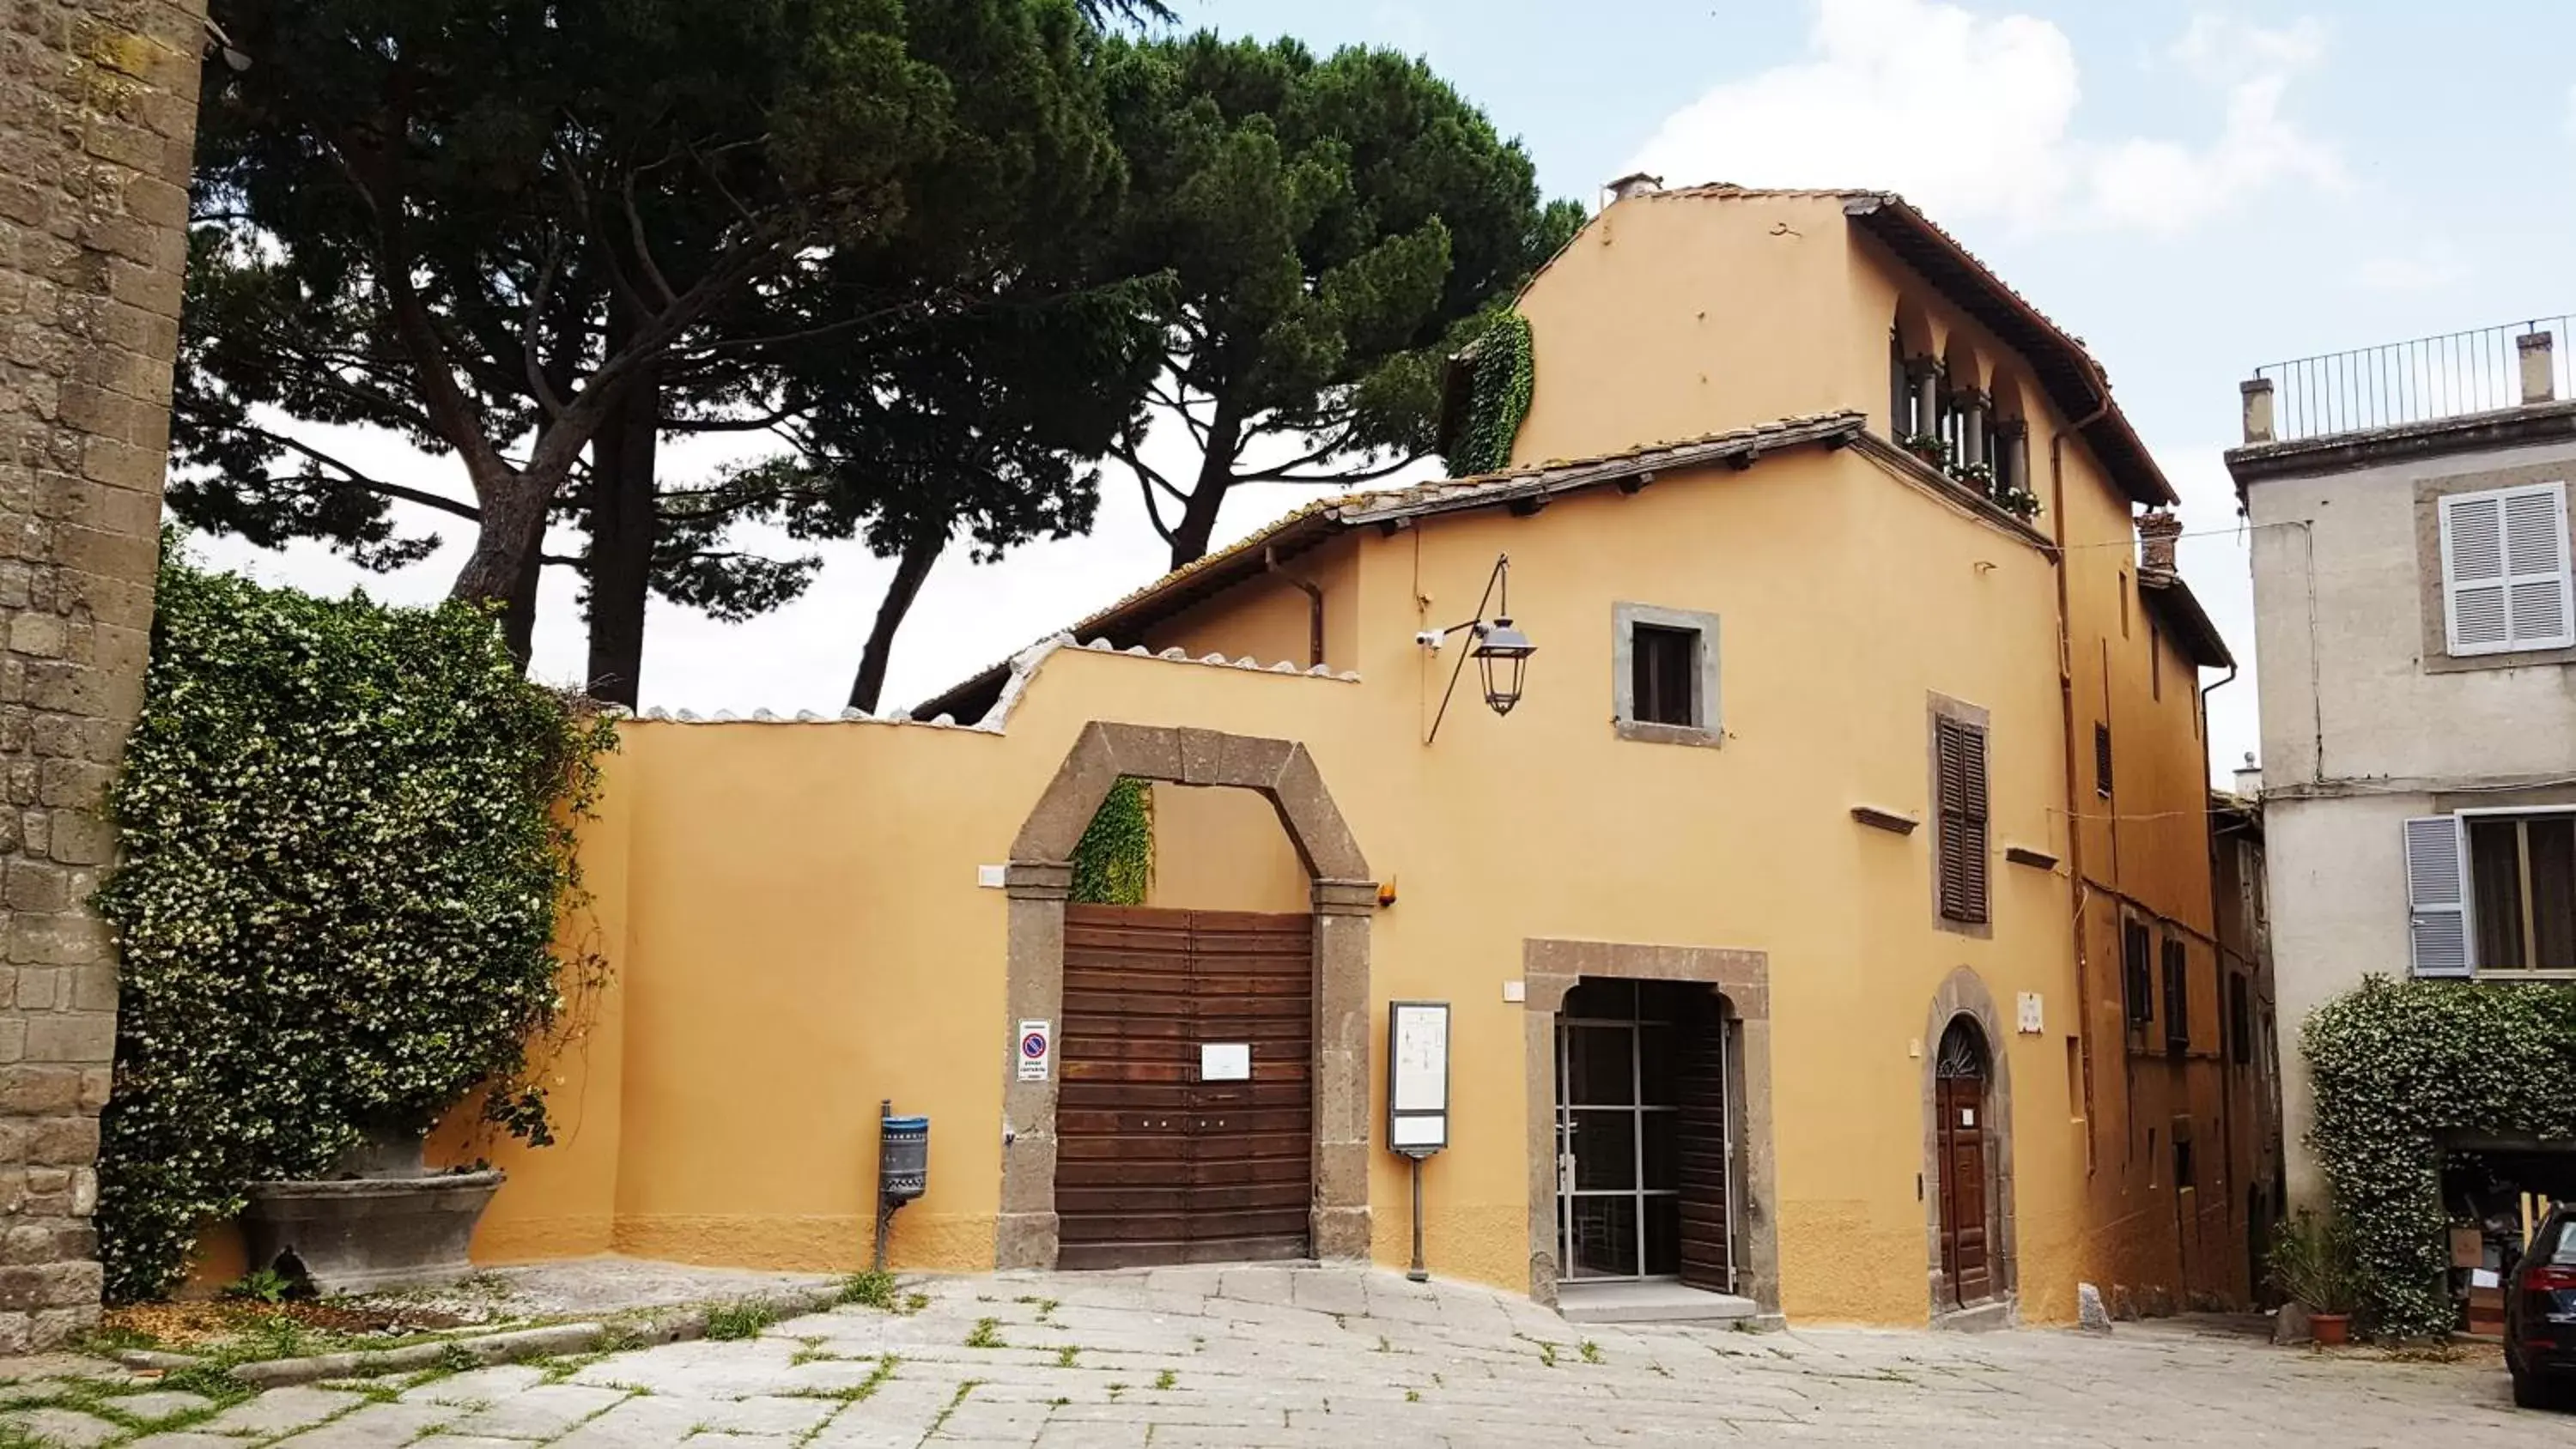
[[2065, 370]]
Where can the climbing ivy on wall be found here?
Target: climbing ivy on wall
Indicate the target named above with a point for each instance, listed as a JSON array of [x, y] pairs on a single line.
[[1506, 379], [1114, 863], [2395, 1064], [347, 835]]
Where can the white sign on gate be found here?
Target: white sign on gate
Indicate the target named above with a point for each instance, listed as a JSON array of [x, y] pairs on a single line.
[[1034, 1046], [1225, 1061]]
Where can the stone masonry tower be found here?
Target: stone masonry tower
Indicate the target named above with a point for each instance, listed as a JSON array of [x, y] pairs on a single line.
[[98, 112]]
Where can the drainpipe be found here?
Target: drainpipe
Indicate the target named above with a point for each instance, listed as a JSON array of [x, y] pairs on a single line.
[[2074, 825], [2204, 701], [1314, 606], [2226, 1023]]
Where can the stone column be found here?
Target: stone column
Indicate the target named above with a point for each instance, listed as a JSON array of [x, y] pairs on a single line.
[[98, 112], [2005, 440], [1972, 427], [1926, 372], [2539, 377], [1343, 909], [1026, 1233], [2256, 393]]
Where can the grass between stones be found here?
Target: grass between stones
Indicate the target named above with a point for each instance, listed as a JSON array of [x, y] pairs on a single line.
[[744, 1319], [968, 1387]]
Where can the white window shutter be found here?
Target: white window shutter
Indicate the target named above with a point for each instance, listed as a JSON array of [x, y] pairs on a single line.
[[2505, 578], [2473, 573], [2437, 896], [2535, 548]]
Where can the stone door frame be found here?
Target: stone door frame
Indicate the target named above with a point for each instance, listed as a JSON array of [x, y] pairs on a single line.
[[1964, 994], [1742, 981], [1038, 881]]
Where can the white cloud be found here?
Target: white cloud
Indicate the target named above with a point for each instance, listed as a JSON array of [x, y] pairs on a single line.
[[1974, 116]]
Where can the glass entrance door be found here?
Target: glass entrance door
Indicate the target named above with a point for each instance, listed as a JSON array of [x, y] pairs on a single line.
[[1618, 1131]]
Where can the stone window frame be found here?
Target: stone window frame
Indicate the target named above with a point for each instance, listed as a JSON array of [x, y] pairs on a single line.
[[1742, 981], [1963, 994], [1039, 881], [1942, 706], [2432, 608], [1708, 726]]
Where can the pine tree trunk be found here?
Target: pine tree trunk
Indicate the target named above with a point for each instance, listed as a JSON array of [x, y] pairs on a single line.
[[1207, 498], [519, 614], [909, 572], [623, 525]]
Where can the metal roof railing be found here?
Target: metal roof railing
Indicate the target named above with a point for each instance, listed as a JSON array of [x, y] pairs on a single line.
[[2419, 381]]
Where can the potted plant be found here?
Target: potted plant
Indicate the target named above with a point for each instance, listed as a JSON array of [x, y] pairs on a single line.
[[2021, 503], [1932, 448], [2312, 1263]]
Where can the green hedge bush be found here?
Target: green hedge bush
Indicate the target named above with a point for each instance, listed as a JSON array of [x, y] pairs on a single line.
[[347, 834], [2395, 1065]]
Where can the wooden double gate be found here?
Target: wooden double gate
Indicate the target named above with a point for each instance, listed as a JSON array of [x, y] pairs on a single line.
[[1164, 1153]]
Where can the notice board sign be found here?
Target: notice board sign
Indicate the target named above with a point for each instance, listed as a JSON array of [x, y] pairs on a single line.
[[1417, 1077]]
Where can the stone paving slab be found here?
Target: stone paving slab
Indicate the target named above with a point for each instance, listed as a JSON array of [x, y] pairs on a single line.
[[60, 1427], [1275, 1357], [281, 1411], [366, 1426]]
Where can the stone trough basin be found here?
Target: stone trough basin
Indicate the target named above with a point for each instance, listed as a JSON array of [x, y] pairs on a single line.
[[362, 1234]]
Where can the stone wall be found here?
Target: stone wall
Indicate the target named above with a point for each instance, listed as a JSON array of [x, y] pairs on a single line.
[[97, 117]]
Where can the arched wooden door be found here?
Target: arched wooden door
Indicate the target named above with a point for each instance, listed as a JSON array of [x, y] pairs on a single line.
[[1967, 1257]]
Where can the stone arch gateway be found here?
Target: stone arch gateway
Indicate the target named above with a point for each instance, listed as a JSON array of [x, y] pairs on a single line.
[[1038, 882]]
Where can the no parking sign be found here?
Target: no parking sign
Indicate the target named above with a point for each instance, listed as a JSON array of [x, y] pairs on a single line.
[[1036, 1049]]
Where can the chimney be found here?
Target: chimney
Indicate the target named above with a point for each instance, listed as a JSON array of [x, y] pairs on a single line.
[[2156, 534], [2258, 409], [1636, 183], [2249, 779], [2539, 378]]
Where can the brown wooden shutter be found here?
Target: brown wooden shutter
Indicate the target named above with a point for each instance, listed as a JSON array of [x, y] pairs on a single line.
[[1960, 769]]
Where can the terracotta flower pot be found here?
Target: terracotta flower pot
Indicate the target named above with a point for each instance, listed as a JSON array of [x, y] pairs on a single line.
[[2331, 1330]]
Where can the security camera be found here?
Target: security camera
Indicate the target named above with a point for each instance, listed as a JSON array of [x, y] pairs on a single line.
[[1430, 639]]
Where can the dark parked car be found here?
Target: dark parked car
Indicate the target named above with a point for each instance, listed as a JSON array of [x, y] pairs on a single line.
[[2540, 1315]]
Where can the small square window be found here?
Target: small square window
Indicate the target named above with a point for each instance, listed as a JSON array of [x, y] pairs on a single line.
[[1666, 682], [1667, 666]]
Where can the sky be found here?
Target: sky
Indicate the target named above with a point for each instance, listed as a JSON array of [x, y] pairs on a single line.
[[2194, 189]]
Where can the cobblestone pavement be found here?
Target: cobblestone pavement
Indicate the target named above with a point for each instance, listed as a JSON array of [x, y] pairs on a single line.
[[1267, 1356]]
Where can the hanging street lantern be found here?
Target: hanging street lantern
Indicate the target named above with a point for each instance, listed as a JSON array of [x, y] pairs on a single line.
[[1501, 650]]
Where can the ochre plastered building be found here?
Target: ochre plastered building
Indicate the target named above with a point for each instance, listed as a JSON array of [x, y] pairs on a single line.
[[1791, 921]]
